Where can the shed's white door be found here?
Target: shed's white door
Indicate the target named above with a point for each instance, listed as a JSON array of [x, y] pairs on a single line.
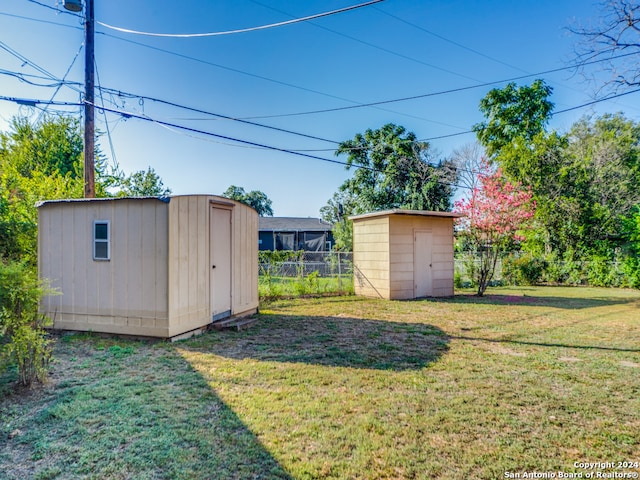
[[220, 256], [422, 264]]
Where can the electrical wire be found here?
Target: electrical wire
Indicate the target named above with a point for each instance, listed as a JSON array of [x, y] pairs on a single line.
[[33, 102], [218, 115], [464, 47], [106, 122], [62, 81], [377, 47], [33, 65], [22, 77], [358, 105], [215, 135], [243, 30], [247, 142], [433, 94]]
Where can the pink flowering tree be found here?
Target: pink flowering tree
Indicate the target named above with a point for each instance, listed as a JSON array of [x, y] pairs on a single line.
[[494, 213]]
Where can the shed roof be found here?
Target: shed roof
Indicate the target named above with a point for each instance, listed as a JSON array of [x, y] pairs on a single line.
[[288, 224], [163, 198], [399, 211]]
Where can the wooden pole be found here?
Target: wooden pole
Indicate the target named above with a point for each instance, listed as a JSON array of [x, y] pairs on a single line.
[[89, 115]]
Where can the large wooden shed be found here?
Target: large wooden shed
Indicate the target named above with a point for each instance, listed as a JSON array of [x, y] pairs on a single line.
[[403, 254], [157, 266]]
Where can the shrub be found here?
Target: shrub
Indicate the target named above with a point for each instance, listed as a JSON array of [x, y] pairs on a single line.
[[23, 338], [524, 270], [631, 269], [602, 272]]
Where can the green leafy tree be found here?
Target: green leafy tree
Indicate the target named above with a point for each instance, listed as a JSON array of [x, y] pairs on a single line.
[[142, 184], [513, 113], [255, 199], [336, 212], [37, 162], [392, 169]]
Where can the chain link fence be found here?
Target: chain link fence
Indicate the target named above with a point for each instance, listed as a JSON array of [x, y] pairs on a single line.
[[284, 273]]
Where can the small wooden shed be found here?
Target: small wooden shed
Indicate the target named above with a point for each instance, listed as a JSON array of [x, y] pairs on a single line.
[[403, 254], [156, 266]]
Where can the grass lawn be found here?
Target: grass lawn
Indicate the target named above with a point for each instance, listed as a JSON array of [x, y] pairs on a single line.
[[270, 287], [523, 380]]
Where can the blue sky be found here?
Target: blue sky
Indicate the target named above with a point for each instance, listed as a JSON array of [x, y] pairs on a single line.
[[391, 50]]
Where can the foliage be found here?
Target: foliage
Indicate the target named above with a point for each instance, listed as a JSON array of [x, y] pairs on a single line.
[[142, 184], [43, 161], [286, 273], [255, 199], [493, 215], [394, 170], [22, 337], [513, 113], [523, 270], [585, 183]]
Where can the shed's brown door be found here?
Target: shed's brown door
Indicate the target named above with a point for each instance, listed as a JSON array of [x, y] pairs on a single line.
[[422, 264], [220, 255]]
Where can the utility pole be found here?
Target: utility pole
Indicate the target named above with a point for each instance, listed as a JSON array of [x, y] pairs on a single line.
[[89, 87], [89, 115]]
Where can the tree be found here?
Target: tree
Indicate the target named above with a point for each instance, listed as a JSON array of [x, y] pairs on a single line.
[[615, 40], [143, 184], [395, 170], [392, 169], [255, 199], [513, 113], [494, 213], [336, 212], [37, 162], [468, 161]]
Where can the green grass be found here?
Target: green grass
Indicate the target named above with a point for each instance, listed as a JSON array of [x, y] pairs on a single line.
[[524, 379], [272, 287]]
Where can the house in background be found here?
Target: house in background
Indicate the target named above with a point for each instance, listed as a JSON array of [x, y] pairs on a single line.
[[156, 266], [293, 233], [403, 254]]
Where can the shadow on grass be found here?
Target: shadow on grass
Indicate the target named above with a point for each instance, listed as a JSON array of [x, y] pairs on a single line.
[[331, 341], [128, 411], [536, 300]]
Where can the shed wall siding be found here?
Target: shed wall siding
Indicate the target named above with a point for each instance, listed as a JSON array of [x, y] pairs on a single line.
[[403, 228], [126, 294], [189, 304], [371, 257], [244, 264]]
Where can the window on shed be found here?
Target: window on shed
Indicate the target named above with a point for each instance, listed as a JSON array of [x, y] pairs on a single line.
[[101, 238]]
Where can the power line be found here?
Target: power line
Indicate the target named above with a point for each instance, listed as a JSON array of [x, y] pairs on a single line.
[[433, 94], [254, 144], [377, 47], [216, 135], [23, 78], [406, 22], [349, 107], [32, 102], [218, 115], [33, 65], [62, 81], [243, 30]]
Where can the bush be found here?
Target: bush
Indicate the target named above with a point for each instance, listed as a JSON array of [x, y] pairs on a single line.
[[631, 269], [23, 340], [602, 272], [524, 270]]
